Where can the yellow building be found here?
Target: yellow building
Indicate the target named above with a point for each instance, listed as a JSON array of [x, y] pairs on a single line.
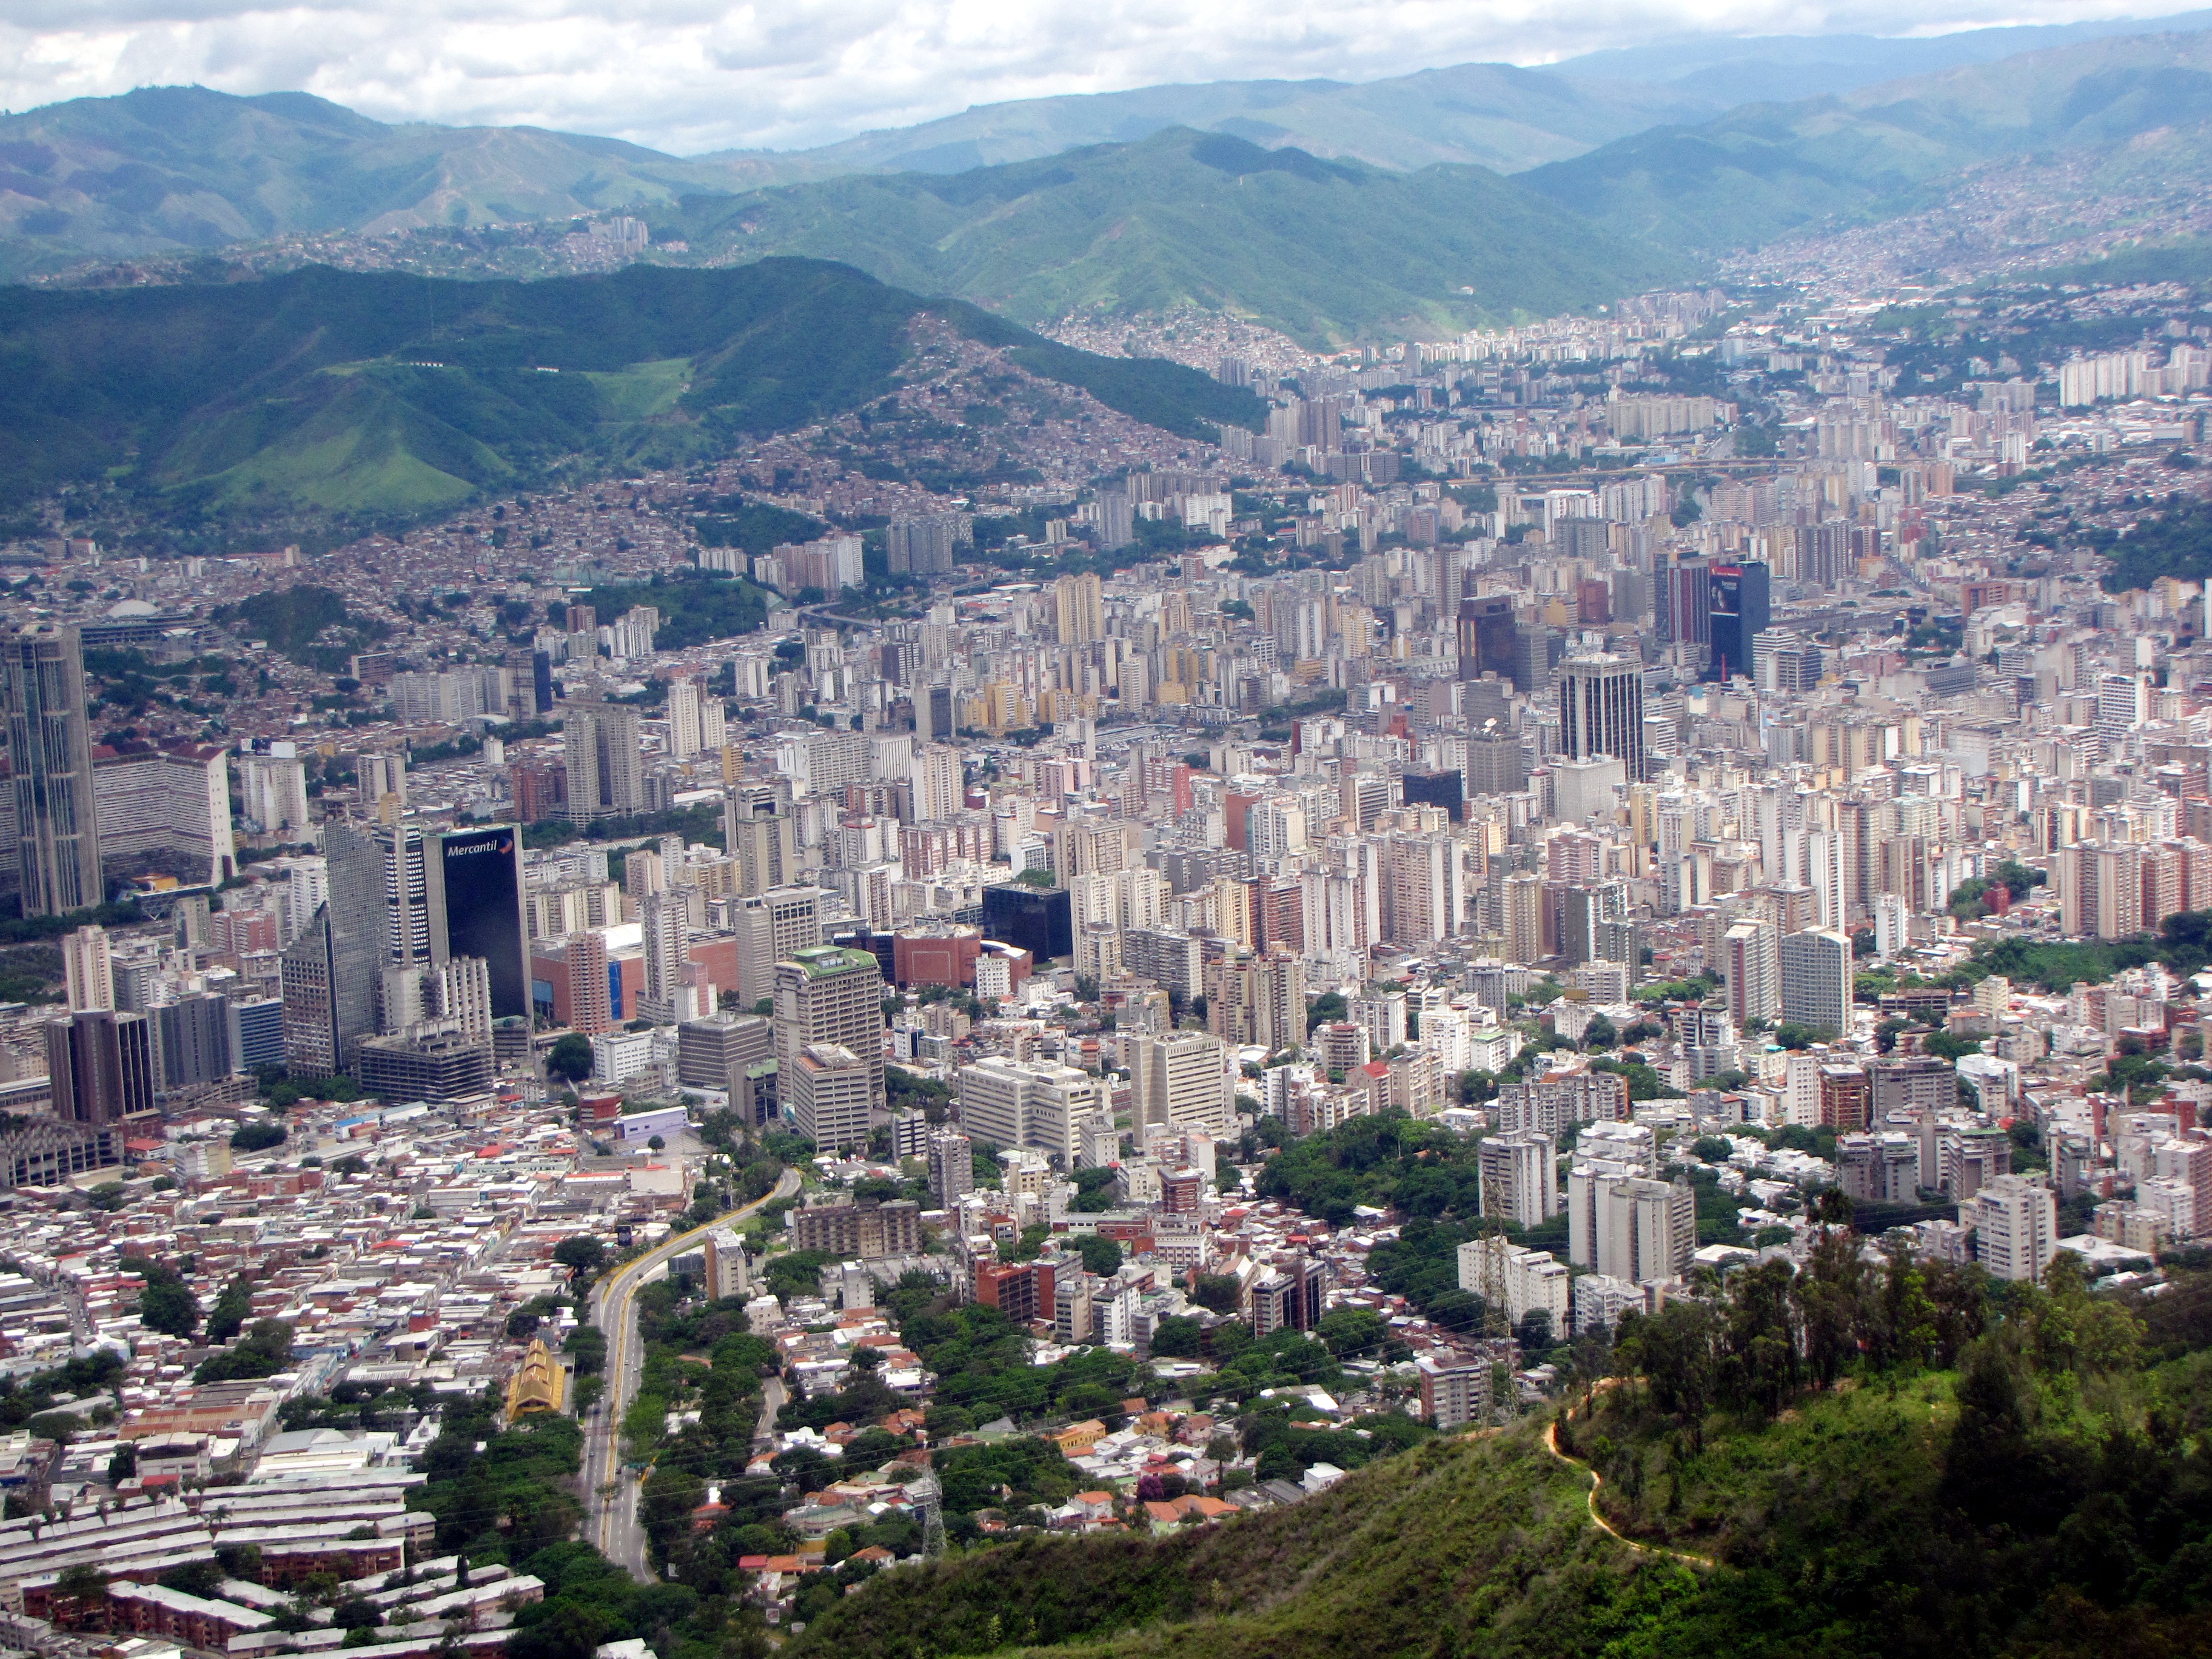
[[540, 1383]]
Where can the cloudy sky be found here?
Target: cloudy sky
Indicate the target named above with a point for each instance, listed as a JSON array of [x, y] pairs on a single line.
[[689, 76]]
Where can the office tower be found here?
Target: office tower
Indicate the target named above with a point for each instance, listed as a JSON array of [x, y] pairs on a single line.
[[831, 1092], [1817, 980], [1518, 1182], [102, 1067], [606, 776], [2015, 1225], [1602, 711], [1486, 634], [473, 891], [89, 966], [273, 788], [1038, 919], [1496, 763], [256, 1033], [1739, 615], [331, 972], [1444, 789], [1535, 649], [827, 993], [934, 717], [1180, 1081], [1080, 608], [1010, 1103], [1751, 971], [50, 751], [952, 1168], [714, 1050], [192, 1045], [1687, 606], [2123, 704], [937, 791]]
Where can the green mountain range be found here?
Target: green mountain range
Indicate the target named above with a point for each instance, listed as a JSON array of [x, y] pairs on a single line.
[[1763, 170], [372, 393], [170, 169], [1324, 250]]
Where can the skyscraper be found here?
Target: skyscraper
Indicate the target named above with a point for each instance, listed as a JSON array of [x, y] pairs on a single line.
[[1080, 607], [58, 836], [473, 879], [1817, 980], [605, 762], [89, 966], [1602, 711], [826, 994], [1739, 615], [1751, 971], [102, 1067], [1485, 636]]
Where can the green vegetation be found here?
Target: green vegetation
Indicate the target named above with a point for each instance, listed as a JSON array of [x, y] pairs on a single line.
[[358, 395], [1183, 217], [308, 624], [2183, 943], [696, 606], [2176, 542], [264, 1351], [1895, 1458]]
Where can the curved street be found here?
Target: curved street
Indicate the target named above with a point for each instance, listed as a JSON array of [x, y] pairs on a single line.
[[610, 1490]]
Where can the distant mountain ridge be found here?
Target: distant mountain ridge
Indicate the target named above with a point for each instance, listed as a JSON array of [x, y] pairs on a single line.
[[1325, 250], [1763, 170]]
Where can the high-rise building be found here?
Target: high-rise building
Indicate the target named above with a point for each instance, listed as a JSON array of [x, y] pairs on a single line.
[[1181, 1081], [831, 1092], [1518, 1181], [89, 968], [715, 1048], [1080, 607], [273, 790], [605, 760], [1496, 763], [1011, 1104], [2016, 1223], [1751, 971], [1487, 633], [1602, 711], [50, 751], [937, 793], [1817, 980], [1038, 919], [685, 699], [1739, 614], [473, 888], [665, 921], [952, 1168], [192, 1046], [827, 993], [102, 1067], [762, 838]]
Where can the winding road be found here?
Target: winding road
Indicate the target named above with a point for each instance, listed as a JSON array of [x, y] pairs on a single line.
[[610, 1490], [1552, 1445]]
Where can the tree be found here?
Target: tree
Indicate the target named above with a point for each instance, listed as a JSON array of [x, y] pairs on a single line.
[[83, 1588], [570, 1057], [356, 1613], [1101, 1256], [165, 1305], [227, 1317], [264, 1351], [256, 1137], [656, 1144], [580, 1254], [1599, 1033]]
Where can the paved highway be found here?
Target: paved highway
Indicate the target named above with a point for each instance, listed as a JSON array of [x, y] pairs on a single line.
[[610, 1490]]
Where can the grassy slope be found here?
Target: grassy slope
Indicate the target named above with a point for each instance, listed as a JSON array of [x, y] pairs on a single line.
[[1458, 1541], [1324, 250], [1837, 1530], [1764, 169], [311, 387]]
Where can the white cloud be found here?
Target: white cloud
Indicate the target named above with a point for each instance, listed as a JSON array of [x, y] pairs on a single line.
[[689, 76]]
